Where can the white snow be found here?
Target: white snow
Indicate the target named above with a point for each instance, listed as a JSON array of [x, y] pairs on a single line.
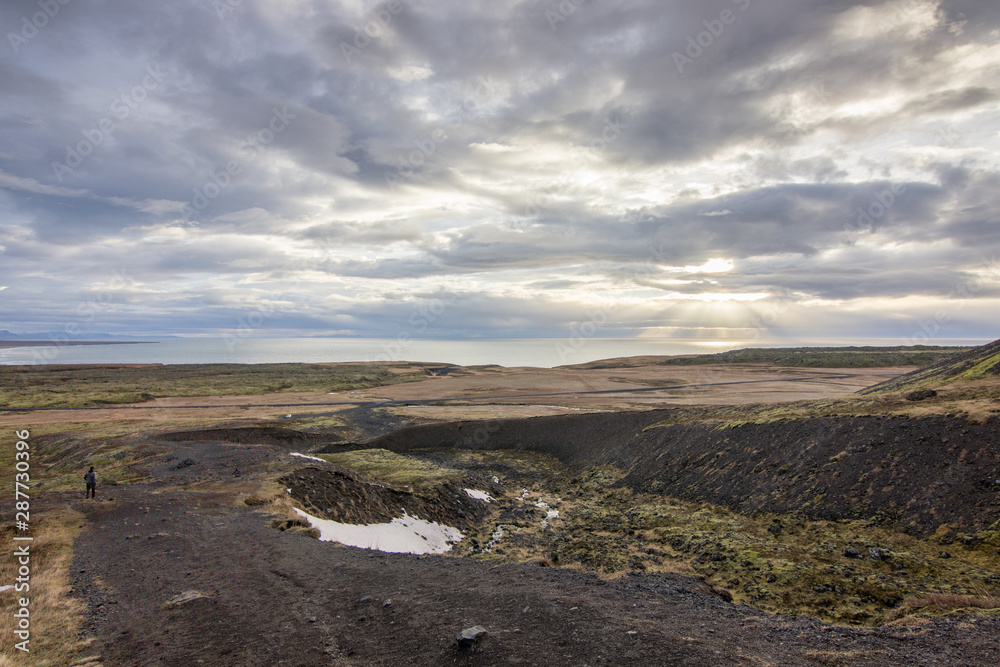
[[495, 537], [480, 495], [549, 513], [313, 458], [406, 535], [6, 588]]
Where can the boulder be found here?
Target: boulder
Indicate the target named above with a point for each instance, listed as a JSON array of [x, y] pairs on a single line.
[[468, 637]]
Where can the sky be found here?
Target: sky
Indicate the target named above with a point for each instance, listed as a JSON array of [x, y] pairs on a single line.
[[708, 170]]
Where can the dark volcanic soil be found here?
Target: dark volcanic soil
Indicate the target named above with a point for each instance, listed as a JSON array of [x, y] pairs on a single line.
[[278, 598], [918, 473], [334, 493]]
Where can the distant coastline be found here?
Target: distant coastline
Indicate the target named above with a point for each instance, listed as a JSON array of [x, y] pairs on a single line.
[[539, 353], [5, 344]]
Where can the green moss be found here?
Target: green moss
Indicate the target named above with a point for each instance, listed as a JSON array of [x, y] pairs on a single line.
[[980, 369], [90, 386], [778, 563], [827, 357], [395, 469]]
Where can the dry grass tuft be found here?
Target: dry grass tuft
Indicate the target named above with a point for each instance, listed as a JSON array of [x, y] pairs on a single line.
[[939, 603], [55, 616], [271, 498]]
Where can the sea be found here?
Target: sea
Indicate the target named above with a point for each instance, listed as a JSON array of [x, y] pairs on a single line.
[[510, 352]]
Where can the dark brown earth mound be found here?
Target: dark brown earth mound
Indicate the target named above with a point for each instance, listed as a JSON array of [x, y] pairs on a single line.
[[342, 495], [267, 435], [920, 473]]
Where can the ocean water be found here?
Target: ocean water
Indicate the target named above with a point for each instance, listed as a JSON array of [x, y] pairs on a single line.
[[539, 352]]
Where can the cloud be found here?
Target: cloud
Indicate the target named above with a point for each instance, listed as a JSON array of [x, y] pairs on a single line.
[[340, 162]]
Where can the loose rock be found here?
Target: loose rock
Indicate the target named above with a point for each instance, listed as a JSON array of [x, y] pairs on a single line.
[[468, 637]]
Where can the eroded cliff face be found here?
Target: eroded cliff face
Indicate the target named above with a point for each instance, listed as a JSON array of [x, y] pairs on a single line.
[[917, 473]]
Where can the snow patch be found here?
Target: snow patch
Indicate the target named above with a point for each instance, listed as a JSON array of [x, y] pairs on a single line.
[[480, 495], [549, 513], [304, 456], [497, 535], [405, 535]]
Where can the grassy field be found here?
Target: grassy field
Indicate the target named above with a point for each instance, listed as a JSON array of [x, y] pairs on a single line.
[[827, 357], [89, 386], [55, 616]]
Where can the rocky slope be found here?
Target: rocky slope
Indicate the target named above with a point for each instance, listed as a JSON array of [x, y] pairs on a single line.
[[977, 363], [917, 473]]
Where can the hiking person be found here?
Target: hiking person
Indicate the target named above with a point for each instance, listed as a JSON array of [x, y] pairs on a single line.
[[91, 479]]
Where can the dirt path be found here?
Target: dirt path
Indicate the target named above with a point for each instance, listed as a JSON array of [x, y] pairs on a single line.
[[274, 598]]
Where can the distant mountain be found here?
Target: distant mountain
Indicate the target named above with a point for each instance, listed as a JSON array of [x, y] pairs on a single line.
[[973, 364], [61, 335]]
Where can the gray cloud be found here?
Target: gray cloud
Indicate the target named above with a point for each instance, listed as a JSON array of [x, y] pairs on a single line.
[[347, 161]]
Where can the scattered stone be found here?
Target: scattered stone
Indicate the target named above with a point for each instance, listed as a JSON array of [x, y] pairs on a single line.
[[185, 597], [944, 554], [920, 395], [892, 601], [366, 598], [468, 637], [186, 463], [851, 552]]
